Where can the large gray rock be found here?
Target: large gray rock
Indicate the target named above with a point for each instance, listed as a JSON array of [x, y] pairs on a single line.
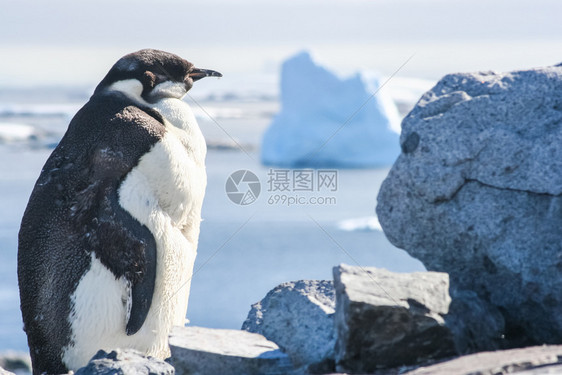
[[532, 360], [477, 193], [125, 362], [299, 317], [386, 319], [207, 351]]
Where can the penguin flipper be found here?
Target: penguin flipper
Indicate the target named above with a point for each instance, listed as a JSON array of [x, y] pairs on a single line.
[[142, 292], [129, 251], [123, 244]]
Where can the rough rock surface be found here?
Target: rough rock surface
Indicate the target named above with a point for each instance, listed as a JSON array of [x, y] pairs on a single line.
[[207, 351], [299, 317], [476, 325], [386, 319], [532, 360], [477, 193], [125, 362]]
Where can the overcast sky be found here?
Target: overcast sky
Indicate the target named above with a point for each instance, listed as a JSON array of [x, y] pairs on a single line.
[[99, 23], [78, 39]]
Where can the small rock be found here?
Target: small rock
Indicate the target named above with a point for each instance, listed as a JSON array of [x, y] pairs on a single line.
[[532, 361], [206, 351], [125, 362], [386, 319], [299, 317], [14, 361]]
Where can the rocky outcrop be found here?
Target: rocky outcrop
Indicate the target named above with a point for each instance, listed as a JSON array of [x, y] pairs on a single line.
[[538, 360], [125, 362], [207, 351], [381, 320], [299, 317], [477, 193]]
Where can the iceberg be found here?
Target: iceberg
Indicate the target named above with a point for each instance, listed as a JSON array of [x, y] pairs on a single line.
[[326, 121]]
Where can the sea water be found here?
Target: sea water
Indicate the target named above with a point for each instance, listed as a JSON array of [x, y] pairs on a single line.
[[244, 250]]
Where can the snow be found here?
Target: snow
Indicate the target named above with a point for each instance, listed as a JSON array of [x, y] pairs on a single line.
[[327, 121]]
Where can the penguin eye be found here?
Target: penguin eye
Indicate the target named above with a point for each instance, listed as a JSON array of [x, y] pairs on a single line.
[[151, 80], [161, 78]]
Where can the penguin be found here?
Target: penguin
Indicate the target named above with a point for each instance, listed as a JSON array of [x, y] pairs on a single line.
[[109, 237]]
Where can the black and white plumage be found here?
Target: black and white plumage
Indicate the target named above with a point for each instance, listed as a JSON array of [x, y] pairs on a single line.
[[109, 237]]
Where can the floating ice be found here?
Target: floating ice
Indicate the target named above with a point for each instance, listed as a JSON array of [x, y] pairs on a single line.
[[326, 121], [14, 109], [27, 136], [361, 224], [15, 132]]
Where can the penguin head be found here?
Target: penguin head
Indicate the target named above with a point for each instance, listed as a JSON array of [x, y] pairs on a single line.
[[151, 75]]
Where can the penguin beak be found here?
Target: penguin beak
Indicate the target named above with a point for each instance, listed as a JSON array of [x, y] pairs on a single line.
[[196, 74]]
